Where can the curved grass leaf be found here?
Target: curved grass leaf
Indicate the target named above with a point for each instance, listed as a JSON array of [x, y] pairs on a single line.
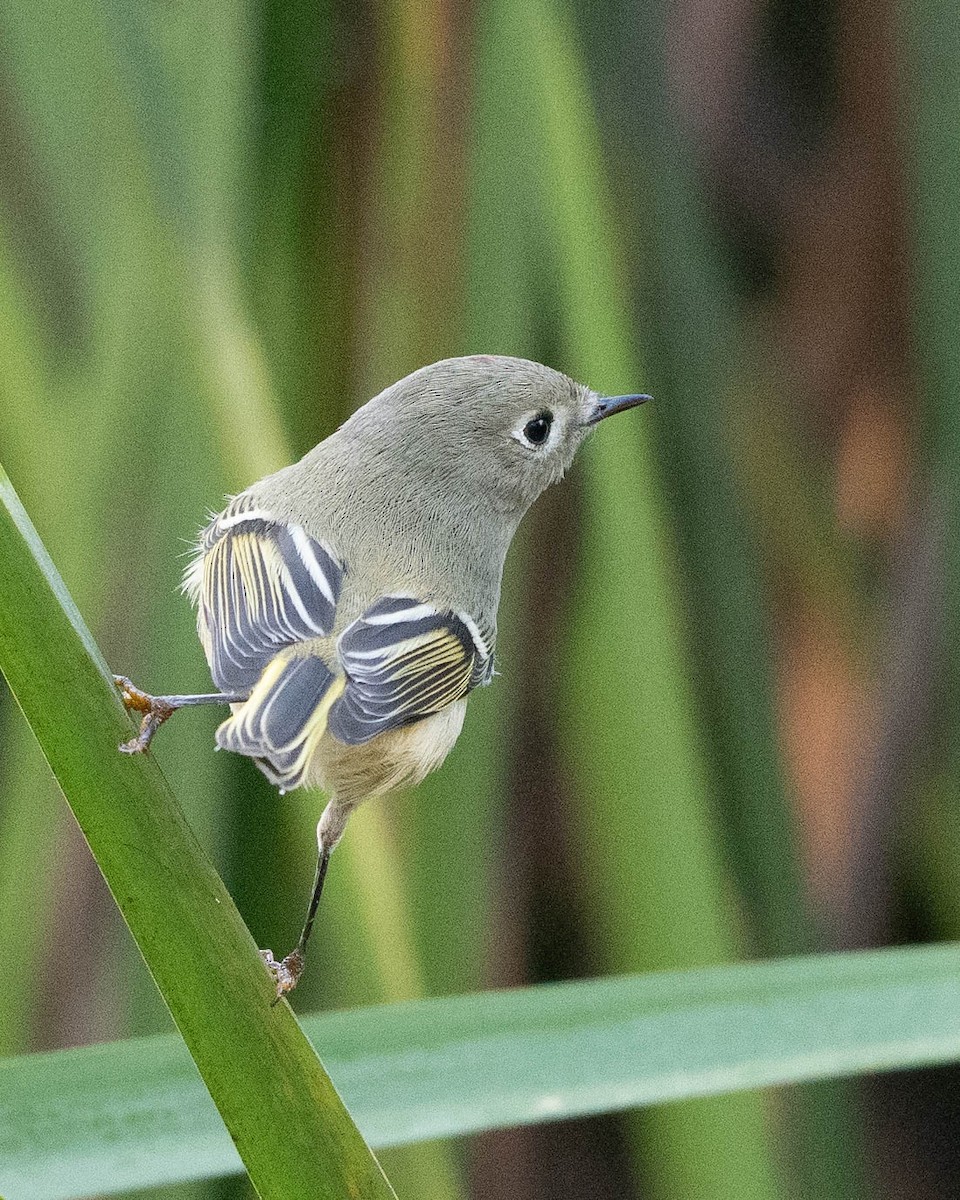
[[288, 1124], [130, 1114]]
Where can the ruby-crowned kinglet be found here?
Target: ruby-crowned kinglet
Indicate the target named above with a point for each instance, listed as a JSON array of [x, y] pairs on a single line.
[[347, 604]]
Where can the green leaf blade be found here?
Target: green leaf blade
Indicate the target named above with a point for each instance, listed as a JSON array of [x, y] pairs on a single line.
[[287, 1121], [131, 1114]]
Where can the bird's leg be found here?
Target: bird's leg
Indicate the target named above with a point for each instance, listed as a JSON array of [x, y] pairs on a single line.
[[157, 709], [287, 972]]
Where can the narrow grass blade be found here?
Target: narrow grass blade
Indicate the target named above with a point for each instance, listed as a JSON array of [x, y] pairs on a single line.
[[289, 1126], [648, 842], [929, 47], [931, 98], [130, 1114], [689, 309]]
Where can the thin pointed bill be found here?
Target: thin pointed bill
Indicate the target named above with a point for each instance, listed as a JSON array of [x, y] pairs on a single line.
[[606, 406]]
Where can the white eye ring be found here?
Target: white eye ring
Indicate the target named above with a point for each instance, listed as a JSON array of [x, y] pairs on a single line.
[[536, 431]]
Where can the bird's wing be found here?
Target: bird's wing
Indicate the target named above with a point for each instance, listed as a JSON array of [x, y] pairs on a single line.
[[405, 660], [402, 660], [264, 588], [262, 584], [284, 717]]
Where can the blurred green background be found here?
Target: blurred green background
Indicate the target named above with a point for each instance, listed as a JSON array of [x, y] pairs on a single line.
[[723, 725]]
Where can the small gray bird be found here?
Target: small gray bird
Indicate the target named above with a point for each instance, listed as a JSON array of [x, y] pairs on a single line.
[[347, 604]]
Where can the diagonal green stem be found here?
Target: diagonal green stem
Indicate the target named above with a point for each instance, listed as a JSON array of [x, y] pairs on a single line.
[[289, 1126]]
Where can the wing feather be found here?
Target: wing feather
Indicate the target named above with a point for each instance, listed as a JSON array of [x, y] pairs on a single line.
[[405, 660], [263, 584], [284, 717]]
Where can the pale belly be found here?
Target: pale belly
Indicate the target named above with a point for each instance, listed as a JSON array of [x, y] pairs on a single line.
[[399, 758]]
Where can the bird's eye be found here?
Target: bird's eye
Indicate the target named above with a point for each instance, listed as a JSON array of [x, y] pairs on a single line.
[[537, 429]]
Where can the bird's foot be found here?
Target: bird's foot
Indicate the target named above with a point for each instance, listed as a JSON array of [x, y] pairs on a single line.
[[155, 709], [286, 973]]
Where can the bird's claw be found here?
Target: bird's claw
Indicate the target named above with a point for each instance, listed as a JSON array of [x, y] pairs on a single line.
[[286, 973], [155, 712]]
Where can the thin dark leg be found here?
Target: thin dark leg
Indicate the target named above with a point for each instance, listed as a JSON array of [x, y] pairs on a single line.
[[157, 709], [323, 861], [287, 972]]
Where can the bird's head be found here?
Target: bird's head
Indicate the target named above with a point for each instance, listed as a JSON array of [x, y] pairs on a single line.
[[486, 427]]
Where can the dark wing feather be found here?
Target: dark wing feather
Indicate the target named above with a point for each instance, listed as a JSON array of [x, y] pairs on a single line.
[[265, 584], [285, 717], [405, 660]]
